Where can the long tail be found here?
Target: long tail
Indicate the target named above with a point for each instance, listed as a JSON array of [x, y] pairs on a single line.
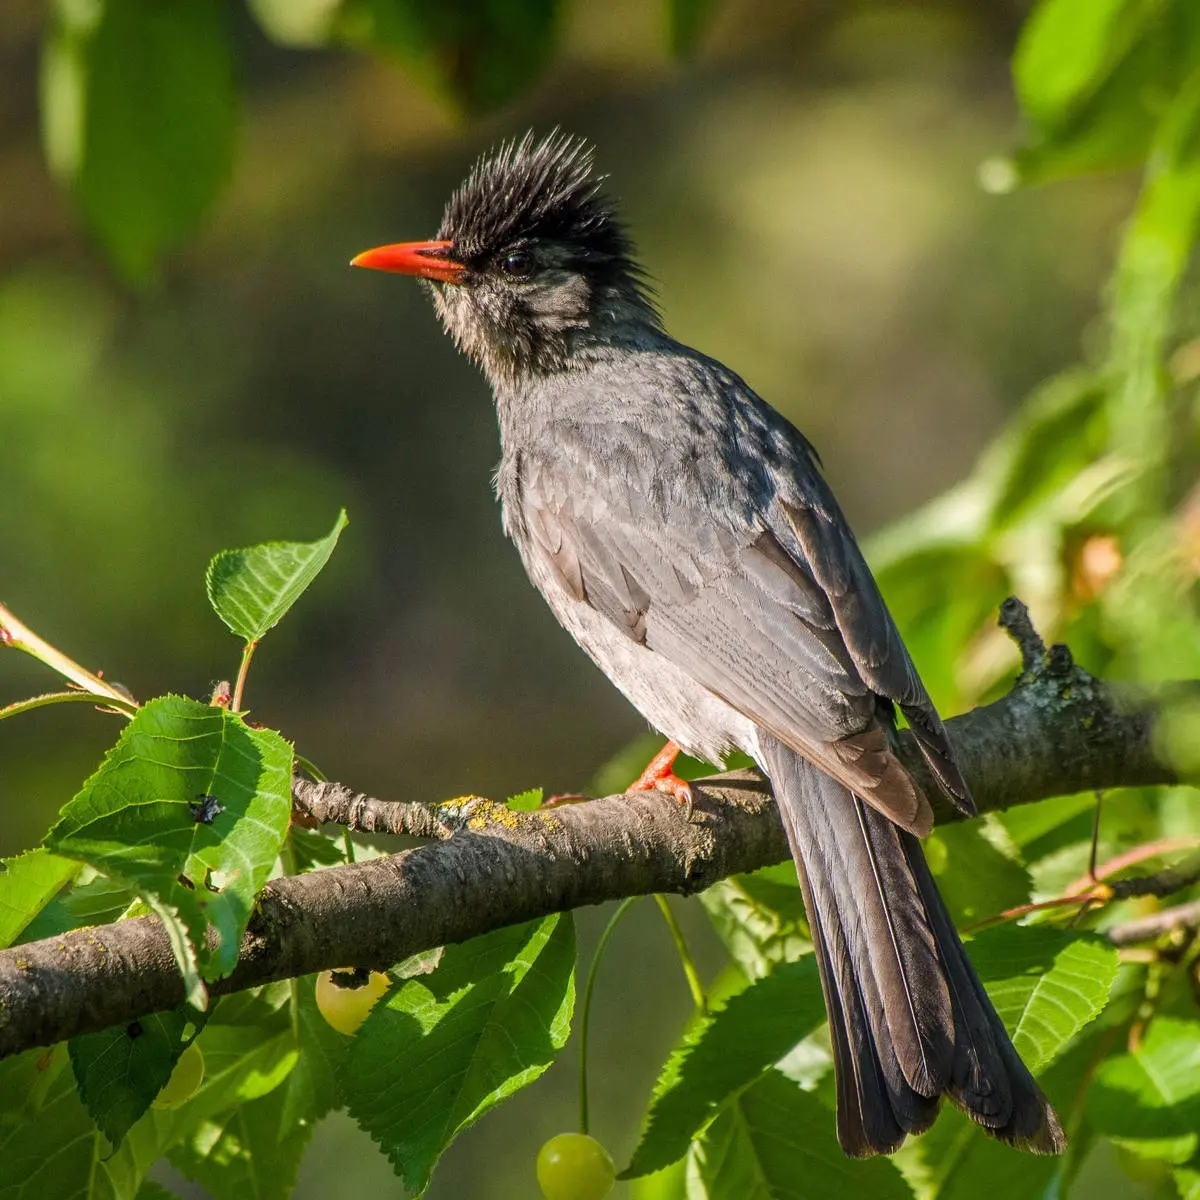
[[908, 1017]]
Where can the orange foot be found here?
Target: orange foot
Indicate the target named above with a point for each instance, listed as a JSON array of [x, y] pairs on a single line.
[[660, 776]]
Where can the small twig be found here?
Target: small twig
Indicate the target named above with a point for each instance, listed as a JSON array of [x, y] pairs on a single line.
[[1091, 890], [1124, 888], [1084, 899], [364, 814], [1147, 929], [19, 636], [1161, 883]]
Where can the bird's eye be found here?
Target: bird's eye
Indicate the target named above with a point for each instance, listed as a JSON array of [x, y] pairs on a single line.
[[518, 264]]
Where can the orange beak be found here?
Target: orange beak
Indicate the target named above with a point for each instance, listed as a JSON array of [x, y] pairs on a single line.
[[429, 260]]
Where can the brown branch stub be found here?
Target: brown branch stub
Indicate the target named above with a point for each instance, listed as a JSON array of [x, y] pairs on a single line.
[[1016, 622]]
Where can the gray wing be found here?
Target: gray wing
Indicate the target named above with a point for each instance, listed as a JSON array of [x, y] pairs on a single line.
[[759, 593]]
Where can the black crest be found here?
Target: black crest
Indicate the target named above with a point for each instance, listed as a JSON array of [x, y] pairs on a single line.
[[535, 190]]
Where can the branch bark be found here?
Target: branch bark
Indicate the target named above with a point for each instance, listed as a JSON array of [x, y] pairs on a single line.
[[1057, 732]]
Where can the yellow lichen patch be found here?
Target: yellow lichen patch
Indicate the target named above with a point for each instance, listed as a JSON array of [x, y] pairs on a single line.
[[488, 812]]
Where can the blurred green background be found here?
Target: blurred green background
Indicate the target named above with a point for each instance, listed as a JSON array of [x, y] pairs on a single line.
[[804, 189]]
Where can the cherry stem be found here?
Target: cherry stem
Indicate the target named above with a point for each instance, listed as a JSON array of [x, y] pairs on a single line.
[[586, 1011], [685, 957]]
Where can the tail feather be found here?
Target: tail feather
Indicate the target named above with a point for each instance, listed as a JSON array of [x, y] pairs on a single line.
[[875, 1109], [1018, 1113], [909, 1019]]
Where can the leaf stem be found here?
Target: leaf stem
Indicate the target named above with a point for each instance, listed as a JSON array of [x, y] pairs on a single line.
[[310, 768], [22, 706], [685, 956], [17, 634], [240, 686], [586, 1011]]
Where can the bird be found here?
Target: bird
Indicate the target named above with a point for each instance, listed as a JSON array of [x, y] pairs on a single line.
[[683, 532]]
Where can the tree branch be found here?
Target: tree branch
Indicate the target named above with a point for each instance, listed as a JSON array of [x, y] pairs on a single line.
[[1154, 926], [1057, 732]]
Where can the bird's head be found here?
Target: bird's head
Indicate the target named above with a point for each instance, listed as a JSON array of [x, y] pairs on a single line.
[[530, 265]]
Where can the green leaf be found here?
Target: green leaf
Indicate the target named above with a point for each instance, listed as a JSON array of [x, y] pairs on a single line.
[[778, 1142], [314, 1086], [446, 1047], [1155, 252], [976, 878], [28, 883], [1046, 984], [1155, 1091], [477, 56], [150, 1190], [1068, 48], [138, 117], [526, 801], [249, 1050], [722, 1053], [1096, 77], [956, 1160], [1039, 457], [1042, 829], [966, 1163], [668, 1184], [134, 819], [45, 1133], [96, 902], [687, 21], [252, 589], [312, 848], [760, 917], [120, 1070], [1187, 1181], [48, 1144], [250, 1153], [293, 24]]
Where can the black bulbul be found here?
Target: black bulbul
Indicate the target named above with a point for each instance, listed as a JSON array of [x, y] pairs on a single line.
[[681, 530]]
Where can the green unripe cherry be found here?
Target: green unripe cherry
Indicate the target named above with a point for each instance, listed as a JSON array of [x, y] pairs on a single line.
[[574, 1166]]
